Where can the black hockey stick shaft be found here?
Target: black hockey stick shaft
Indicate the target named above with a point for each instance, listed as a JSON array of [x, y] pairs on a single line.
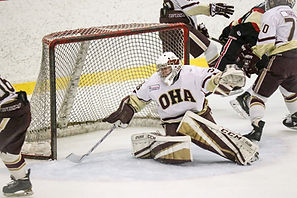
[[216, 40], [101, 140]]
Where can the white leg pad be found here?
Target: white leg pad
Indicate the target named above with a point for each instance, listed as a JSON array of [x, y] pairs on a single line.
[[166, 149], [171, 149], [242, 148], [141, 144]]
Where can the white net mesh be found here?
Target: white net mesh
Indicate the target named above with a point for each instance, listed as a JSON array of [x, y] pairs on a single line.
[[94, 69]]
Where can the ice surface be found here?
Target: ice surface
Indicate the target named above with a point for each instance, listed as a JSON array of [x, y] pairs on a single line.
[[111, 170]]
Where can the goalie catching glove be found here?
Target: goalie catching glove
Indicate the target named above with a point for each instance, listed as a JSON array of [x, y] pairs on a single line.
[[221, 9], [232, 76], [123, 115], [229, 79]]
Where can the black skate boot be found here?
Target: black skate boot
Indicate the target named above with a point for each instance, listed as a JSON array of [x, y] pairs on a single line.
[[241, 104], [256, 133], [20, 187], [291, 121]]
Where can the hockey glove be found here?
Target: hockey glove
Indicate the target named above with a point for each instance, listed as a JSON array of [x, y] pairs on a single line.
[[122, 116], [232, 76], [225, 34], [221, 9], [201, 27], [249, 60]]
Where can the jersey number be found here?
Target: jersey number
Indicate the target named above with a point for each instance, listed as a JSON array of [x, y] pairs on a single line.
[[287, 20], [291, 20]]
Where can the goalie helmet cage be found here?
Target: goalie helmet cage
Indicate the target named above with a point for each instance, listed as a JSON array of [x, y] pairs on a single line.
[[85, 73]]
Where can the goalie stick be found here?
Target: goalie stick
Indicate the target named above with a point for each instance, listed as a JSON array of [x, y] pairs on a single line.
[[77, 159]]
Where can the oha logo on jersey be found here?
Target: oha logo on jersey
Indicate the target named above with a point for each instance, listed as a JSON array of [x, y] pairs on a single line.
[[154, 87]]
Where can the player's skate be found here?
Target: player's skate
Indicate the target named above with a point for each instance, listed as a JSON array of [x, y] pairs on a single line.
[[18, 187], [291, 121], [241, 104], [256, 133]]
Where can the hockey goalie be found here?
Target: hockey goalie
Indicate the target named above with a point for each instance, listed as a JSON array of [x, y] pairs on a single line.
[[186, 117]]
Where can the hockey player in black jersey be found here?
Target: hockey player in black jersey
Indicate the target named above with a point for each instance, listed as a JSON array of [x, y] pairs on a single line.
[[240, 33]]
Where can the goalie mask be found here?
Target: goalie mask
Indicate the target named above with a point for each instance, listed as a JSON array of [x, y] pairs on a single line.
[[273, 3], [168, 66]]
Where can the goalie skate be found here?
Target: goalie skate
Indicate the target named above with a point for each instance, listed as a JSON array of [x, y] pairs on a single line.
[[241, 105]]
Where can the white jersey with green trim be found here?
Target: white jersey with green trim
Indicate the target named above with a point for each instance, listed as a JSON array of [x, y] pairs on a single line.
[[186, 93]]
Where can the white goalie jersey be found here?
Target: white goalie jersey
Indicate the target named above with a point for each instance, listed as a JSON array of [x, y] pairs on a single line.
[[186, 93]]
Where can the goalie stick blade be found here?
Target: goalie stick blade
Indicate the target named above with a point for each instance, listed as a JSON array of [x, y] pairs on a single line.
[[74, 158]]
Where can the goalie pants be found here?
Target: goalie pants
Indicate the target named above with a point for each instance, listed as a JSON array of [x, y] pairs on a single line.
[[171, 128]]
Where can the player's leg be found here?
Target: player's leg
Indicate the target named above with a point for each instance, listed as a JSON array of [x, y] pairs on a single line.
[[219, 140], [290, 99], [276, 74], [12, 138], [20, 175], [165, 149], [241, 104]]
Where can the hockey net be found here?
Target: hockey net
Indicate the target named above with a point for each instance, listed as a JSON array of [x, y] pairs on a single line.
[[85, 73]]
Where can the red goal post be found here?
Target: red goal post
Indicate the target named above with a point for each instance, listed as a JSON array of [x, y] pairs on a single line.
[[86, 72]]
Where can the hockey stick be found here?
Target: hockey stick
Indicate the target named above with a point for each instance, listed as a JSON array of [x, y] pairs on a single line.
[[216, 40], [77, 159]]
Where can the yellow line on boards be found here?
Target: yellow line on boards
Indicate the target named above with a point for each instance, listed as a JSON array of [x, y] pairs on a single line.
[[96, 77]]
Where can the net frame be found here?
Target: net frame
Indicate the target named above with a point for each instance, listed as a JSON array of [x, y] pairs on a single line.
[[51, 41]]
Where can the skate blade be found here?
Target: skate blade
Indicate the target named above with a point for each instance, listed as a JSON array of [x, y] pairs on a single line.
[[20, 193], [236, 106]]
